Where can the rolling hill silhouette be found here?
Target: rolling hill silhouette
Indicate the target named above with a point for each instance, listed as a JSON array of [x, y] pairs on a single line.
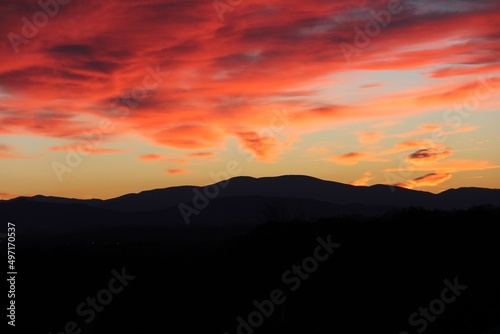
[[296, 187], [398, 247], [241, 202]]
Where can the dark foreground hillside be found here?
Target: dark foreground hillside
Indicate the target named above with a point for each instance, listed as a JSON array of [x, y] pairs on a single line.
[[379, 273]]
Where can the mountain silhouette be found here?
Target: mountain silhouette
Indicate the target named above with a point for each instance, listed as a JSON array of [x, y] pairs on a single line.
[[241, 202], [398, 247], [293, 187]]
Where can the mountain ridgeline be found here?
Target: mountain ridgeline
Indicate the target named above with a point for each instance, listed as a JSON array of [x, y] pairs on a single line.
[[388, 254], [240, 202]]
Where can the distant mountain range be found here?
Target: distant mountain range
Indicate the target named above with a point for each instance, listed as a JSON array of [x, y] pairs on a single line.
[[239, 201]]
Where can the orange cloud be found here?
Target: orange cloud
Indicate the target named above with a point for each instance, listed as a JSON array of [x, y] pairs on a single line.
[[265, 148], [363, 181], [385, 124], [369, 137], [426, 128], [351, 158], [7, 196], [177, 161], [8, 152], [435, 128], [410, 144], [222, 77], [89, 150], [428, 180], [108, 150], [318, 150], [5, 152], [190, 137], [178, 171], [450, 166], [150, 157], [200, 155], [372, 85], [462, 129]]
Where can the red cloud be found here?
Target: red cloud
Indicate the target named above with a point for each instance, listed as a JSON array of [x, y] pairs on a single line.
[[69, 77], [264, 147]]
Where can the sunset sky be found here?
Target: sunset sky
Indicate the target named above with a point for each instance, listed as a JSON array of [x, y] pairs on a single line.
[[103, 98]]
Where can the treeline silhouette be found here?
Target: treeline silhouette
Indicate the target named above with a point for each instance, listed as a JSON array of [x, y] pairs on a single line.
[[194, 280]]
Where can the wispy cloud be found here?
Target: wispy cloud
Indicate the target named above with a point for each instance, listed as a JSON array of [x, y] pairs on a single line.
[[200, 155], [88, 150], [178, 171], [150, 157], [363, 181], [428, 180], [370, 137]]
